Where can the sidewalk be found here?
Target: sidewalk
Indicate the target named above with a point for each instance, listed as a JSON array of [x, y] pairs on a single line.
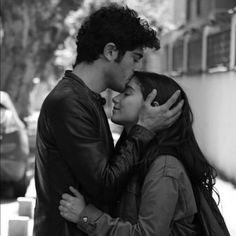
[[9, 209]]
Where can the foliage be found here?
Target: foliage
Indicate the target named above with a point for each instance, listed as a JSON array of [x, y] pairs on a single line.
[[32, 31], [37, 38], [157, 12]]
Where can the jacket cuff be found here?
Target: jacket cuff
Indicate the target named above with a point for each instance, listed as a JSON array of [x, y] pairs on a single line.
[[141, 132], [88, 218]]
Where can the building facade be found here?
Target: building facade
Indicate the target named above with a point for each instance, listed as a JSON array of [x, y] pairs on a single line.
[[201, 55]]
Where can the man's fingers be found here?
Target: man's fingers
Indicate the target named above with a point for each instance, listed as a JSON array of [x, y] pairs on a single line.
[[177, 108], [172, 99], [151, 96], [172, 119], [75, 192]]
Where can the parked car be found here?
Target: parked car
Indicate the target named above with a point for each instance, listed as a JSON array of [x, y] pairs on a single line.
[[14, 150]]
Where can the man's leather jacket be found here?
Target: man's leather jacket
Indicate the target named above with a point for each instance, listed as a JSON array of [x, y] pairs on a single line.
[[75, 148]]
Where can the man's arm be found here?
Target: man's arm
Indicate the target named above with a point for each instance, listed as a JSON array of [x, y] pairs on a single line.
[[100, 174]]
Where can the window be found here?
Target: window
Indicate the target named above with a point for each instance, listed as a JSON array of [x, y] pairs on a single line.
[[188, 9], [218, 49], [198, 7], [194, 55], [178, 56]]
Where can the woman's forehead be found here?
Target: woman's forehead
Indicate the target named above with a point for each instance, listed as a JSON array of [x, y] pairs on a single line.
[[134, 83]]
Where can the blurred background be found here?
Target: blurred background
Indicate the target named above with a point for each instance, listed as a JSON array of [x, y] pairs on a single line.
[[198, 49]]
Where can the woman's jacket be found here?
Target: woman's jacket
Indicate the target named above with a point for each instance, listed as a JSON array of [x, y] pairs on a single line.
[[163, 205]]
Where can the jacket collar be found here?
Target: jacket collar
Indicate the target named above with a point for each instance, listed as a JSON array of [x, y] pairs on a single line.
[[96, 96]]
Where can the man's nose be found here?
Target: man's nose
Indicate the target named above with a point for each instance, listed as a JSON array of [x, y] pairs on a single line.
[[114, 100]]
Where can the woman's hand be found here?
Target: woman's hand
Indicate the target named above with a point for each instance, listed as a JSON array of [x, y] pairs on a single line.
[[71, 206]]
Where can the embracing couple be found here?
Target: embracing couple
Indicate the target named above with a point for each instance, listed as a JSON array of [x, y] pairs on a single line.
[[144, 185]]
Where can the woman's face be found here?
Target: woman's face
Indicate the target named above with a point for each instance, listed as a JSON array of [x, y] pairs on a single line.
[[127, 104]]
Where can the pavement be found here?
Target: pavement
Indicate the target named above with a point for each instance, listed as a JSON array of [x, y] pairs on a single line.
[[227, 206]]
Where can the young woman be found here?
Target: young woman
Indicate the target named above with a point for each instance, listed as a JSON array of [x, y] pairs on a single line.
[[159, 199]]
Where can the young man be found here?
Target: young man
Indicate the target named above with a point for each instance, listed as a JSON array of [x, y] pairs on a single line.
[[74, 142]]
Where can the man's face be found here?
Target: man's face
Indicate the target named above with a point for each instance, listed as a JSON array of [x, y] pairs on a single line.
[[122, 70]]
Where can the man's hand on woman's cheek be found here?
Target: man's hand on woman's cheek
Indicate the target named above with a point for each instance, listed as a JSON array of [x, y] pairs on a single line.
[[157, 117]]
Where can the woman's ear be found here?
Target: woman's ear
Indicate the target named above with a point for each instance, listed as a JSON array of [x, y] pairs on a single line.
[[110, 52]]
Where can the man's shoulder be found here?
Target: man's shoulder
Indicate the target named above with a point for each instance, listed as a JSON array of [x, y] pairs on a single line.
[[67, 92], [71, 89]]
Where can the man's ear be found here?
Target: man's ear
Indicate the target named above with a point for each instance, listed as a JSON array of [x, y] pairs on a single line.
[[110, 52]]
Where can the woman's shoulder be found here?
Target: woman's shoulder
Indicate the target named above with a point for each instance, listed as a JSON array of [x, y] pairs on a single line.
[[167, 166]]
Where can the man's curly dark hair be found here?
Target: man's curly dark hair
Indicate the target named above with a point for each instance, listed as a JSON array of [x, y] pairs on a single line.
[[113, 23]]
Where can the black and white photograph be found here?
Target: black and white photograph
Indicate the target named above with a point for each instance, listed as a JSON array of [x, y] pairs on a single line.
[[118, 118]]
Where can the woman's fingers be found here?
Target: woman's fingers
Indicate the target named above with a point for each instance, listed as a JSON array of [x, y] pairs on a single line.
[[66, 196], [66, 204], [68, 216], [75, 192], [63, 209]]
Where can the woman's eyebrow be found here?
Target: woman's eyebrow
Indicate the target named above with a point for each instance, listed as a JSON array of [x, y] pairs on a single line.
[[129, 87]]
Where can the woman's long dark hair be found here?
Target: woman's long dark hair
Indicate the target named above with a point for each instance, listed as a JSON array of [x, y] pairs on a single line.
[[180, 135]]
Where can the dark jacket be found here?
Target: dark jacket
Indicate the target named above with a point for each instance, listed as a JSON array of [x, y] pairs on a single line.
[[163, 206], [75, 148]]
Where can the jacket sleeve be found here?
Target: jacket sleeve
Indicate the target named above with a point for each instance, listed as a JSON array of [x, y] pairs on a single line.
[[77, 136], [158, 203]]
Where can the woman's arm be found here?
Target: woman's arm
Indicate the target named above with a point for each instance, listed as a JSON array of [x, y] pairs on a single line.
[[158, 202]]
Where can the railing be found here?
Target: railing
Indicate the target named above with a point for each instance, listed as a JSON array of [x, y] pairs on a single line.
[[212, 49]]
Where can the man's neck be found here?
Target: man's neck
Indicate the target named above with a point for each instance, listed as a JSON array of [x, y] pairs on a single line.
[[92, 75]]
